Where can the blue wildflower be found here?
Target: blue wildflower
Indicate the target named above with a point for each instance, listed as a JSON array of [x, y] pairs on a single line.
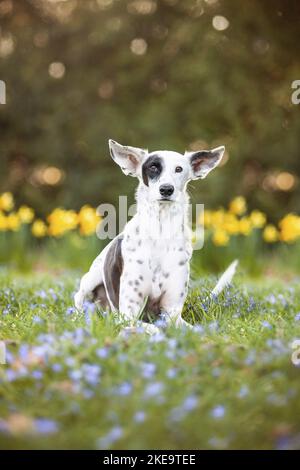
[[113, 435], [124, 389], [148, 370], [172, 373], [243, 392], [139, 417], [153, 389], [218, 412], [70, 310], [102, 352], [190, 403], [45, 426], [37, 374]]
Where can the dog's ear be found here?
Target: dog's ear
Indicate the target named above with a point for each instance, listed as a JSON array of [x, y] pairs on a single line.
[[128, 158], [204, 161]]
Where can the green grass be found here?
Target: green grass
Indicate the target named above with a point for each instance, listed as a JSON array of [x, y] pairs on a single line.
[[229, 384]]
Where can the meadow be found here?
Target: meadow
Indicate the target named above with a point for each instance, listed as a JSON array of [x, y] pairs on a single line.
[[70, 380]]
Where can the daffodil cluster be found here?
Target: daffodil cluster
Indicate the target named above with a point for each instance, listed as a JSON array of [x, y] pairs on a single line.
[[221, 224], [58, 222]]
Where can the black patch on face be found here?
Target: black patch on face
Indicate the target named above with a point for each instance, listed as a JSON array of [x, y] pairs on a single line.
[[152, 169], [113, 266]]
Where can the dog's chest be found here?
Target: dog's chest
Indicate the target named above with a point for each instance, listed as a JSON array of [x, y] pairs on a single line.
[[156, 261]]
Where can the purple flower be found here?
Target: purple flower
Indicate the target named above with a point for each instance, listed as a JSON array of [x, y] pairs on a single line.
[[56, 367], [42, 294], [124, 389], [267, 325], [190, 403], [37, 374], [23, 351], [243, 392], [70, 310], [3, 427], [91, 373], [102, 352], [45, 426], [36, 319], [148, 370], [172, 373], [153, 389], [139, 417], [199, 329], [213, 326], [88, 393], [218, 412], [297, 317], [75, 375], [113, 435], [11, 375], [157, 338]]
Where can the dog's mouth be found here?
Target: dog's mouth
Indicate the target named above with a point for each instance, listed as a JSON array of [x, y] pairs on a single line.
[[165, 199]]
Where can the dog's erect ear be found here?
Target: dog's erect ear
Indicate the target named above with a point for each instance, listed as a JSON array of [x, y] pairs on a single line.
[[204, 161], [128, 158]]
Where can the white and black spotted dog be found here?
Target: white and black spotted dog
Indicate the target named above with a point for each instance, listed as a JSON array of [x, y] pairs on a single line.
[[146, 267]]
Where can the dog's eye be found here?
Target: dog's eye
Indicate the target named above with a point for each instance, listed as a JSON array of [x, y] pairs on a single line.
[[178, 169], [154, 169]]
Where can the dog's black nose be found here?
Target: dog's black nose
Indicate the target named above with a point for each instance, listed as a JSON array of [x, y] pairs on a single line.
[[166, 190]]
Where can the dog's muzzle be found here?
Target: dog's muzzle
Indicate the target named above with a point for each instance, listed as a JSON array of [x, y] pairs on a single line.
[[166, 190]]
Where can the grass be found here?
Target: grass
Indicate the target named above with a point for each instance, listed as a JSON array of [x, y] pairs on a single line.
[[71, 382]]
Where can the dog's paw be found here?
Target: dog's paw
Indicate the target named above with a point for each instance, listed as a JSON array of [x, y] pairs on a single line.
[[78, 300], [147, 328]]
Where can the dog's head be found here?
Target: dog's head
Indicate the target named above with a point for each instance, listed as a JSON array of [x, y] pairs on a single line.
[[164, 173]]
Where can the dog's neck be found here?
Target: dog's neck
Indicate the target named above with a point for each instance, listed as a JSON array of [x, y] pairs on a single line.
[[167, 219]]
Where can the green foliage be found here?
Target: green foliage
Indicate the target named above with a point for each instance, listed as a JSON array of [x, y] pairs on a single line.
[[193, 83], [71, 382]]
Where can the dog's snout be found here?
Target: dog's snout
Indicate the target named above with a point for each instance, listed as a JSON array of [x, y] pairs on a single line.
[[166, 190]]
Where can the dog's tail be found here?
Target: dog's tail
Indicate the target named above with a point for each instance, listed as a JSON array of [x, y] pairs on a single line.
[[225, 279]]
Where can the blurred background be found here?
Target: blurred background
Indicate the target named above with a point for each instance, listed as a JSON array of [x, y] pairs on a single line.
[[160, 74]]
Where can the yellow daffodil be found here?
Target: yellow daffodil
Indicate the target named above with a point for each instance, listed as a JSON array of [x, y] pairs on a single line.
[[238, 205], [3, 222], [270, 234], [6, 201], [61, 221], [245, 226], [88, 220], [290, 228], [206, 218], [258, 219], [217, 218], [39, 228], [25, 214], [220, 238], [231, 224], [13, 222]]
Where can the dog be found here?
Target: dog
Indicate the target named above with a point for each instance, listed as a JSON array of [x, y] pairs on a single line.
[[145, 269]]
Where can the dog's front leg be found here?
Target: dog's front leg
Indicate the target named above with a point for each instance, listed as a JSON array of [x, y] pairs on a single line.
[[175, 291], [131, 302]]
